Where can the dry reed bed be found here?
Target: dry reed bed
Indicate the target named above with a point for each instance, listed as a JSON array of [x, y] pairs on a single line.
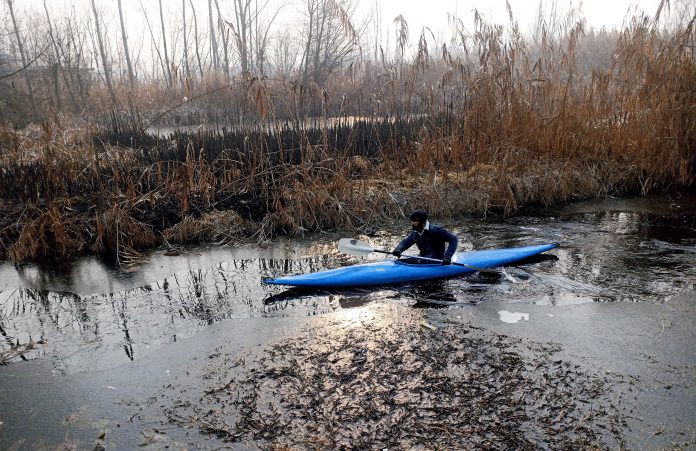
[[507, 126]]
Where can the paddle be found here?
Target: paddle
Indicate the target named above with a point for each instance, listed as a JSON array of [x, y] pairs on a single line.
[[356, 247]]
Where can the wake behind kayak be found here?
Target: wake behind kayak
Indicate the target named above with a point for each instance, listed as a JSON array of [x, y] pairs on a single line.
[[396, 271]]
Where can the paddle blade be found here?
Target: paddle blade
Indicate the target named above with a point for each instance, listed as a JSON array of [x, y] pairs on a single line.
[[354, 247]]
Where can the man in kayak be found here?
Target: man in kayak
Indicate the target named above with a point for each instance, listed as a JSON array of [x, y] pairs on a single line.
[[429, 238]]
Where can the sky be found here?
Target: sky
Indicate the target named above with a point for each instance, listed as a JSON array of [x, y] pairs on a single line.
[[417, 13], [608, 13], [434, 13]]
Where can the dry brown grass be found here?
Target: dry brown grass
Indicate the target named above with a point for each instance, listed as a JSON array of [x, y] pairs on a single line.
[[501, 123], [220, 226], [48, 235], [121, 235]]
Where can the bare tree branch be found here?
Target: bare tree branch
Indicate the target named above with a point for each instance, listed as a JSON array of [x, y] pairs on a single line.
[[28, 64]]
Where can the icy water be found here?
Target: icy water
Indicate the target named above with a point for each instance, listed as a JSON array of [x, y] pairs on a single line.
[[622, 265], [90, 315]]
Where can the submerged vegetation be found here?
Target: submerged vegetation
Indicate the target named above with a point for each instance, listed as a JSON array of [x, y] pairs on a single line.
[[487, 122], [395, 385]]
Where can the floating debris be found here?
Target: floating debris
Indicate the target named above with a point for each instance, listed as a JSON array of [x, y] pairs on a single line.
[[402, 388], [512, 317], [428, 325]]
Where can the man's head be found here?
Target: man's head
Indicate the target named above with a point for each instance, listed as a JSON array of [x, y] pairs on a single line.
[[418, 219]]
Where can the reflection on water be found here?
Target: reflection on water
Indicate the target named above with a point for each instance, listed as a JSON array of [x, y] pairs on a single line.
[[244, 125], [604, 256], [126, 324]]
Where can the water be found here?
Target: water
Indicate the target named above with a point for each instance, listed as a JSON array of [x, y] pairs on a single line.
[[136, 354], [90, 315], [315, 123]]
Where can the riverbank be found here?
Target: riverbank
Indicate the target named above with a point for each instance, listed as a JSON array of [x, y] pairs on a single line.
[[65, 199]]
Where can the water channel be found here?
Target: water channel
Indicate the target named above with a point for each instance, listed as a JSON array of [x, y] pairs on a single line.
[[625, 267]]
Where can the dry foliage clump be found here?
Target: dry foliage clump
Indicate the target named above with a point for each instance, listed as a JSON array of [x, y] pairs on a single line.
[[117, 232], [218, 226], [337, 204], [48, 235]]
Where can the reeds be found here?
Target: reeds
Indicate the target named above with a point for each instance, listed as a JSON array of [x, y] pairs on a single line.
[[219, 226], [490, 124], [48, 234]]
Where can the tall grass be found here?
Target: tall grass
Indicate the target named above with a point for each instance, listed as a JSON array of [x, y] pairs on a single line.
[[490, 124]]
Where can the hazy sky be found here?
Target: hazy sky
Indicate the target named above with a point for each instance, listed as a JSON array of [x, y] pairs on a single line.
[[599, 13], [417, 13], [434, 13]]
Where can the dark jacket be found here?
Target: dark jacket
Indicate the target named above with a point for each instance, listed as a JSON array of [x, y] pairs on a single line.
[[431, 243]]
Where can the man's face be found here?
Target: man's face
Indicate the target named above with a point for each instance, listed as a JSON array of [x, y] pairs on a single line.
[[417, 225]]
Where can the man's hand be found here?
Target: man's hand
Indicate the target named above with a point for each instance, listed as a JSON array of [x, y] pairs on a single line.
[[396, 253], [446, 260]]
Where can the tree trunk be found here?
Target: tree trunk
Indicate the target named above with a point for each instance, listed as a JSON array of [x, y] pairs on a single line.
[[213, 41], [308, 44], [155, 47], [378, 29], [195, 38], [221, 25], [131, 76], [242, 40], [186, 62], [20, 45], [164, 44], [102, 52], [319, 40], [78, 68], [55, 68], [62, 49]]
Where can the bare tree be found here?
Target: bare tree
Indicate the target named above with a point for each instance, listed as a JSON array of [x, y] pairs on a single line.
[[5, 60], [131, 76], [55, 66], [224, 34], [285, 53], [154, 43], [102, 52], [20, 45], [74, 54], [186, 57], [330, 38], [251, 34], [213, 39], [195, 38], [242, 16], [164, 45]]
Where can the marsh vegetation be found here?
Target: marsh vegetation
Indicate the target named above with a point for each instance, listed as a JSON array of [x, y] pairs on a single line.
[[330, 132]]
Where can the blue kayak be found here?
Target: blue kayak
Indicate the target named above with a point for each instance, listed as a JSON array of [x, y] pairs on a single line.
[[396, 271]]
